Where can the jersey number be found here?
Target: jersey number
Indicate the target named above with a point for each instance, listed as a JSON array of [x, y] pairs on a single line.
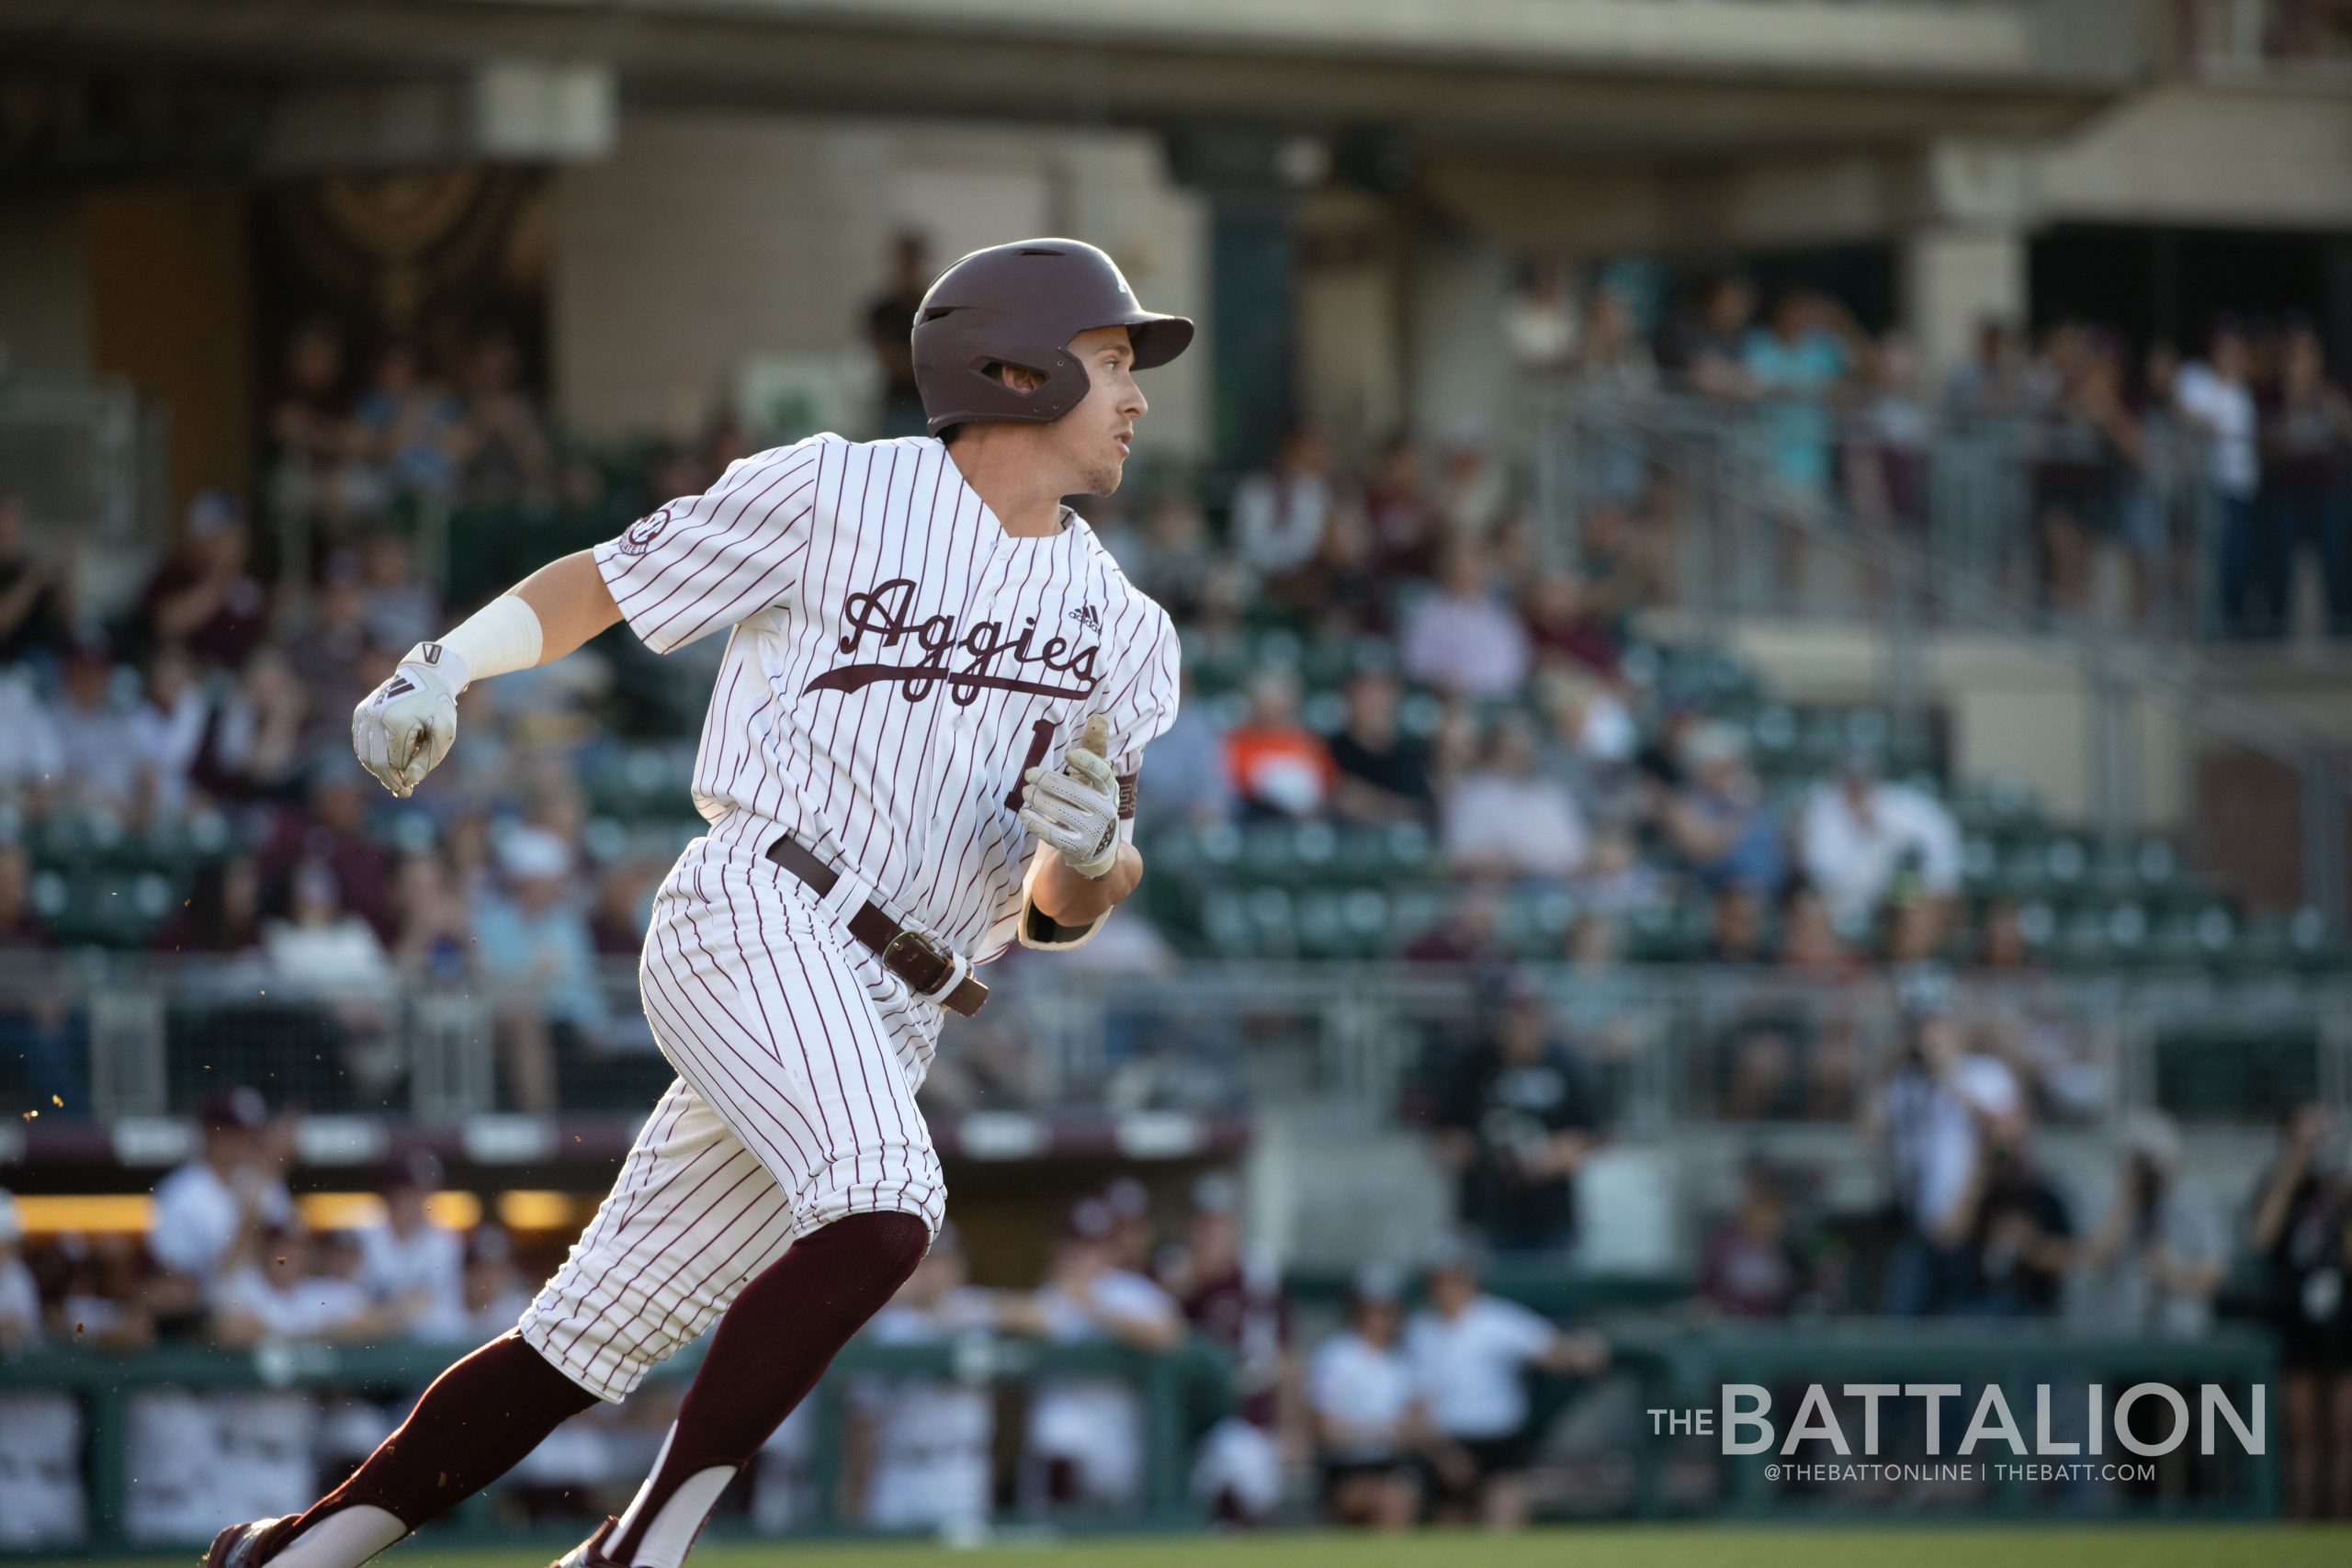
[[1041, 740]]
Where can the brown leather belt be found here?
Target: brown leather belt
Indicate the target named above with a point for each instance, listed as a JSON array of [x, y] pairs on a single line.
[[911, 955]]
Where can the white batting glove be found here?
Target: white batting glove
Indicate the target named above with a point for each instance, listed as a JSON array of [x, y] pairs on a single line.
[[403, 727], [1076, 808]]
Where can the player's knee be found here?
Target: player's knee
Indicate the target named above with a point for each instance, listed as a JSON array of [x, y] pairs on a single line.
[[881, 1248]]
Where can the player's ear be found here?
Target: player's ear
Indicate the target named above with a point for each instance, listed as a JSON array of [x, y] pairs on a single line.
[[1019, 379]]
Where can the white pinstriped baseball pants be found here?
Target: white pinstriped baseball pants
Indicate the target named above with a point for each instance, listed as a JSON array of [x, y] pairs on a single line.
[[798, 1056]]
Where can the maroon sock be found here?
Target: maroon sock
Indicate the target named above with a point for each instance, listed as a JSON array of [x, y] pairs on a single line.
[[473, 1424], [771, 1347]]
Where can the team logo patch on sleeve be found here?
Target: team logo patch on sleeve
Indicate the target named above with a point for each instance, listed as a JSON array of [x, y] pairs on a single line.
[[643, 531]]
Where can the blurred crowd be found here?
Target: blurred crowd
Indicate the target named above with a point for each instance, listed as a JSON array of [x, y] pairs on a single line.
[[2209, 470]]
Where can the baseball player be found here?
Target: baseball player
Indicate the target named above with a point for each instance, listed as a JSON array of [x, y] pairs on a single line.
[[921, 746]]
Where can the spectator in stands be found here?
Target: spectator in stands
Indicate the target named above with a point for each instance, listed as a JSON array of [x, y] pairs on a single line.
[[221, 917], [1277, 766], [534, 944], [34, 616], [2022, 1237], [2301, 1231], [412, 1265], [397, 609], [436, 933], [21, 925], [233, 1188], [1518, 1116], [325, 954], [1469, 933], [496, 1292], [254, 747], [1619, 562], [282, 1282], [20, 1294], [1384, 774], [2154, 1264], [100, 766], [1190, 783], [1593, 736], [1719, 823], [502, 445], [1750, 1266], [1473, 495], [2307, 469], [1736, 934], [1795, 365], [617, 921], [1614, 882], [167, 731], [332, 830], [314, 443], [1564, 624], [413, 427], [1894, 434], [1371, 1430], [1234, 1298], [1811, 947], [2087, 443], [889, 318], [1085, 1435], [1177, 557], [1470, 1354], [1463, 639], [1995, 381], [1707, 349], [1279, 514], [1860, 837], [2215, 398], [206, 596], [1940, 1110], [1509, 819], [1407, 530], [33, 763]]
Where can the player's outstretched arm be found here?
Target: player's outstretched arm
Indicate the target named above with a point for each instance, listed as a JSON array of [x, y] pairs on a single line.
[[403, 728]]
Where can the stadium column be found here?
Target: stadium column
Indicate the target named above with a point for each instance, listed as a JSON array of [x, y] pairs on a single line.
[[1964, 261]]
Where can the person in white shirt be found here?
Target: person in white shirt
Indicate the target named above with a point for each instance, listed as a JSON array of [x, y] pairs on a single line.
[[921, 1446], [1509, 817], [1085, 1437], [1279, 517], [167, 729], [234, 1186], [1858, 832], [1940, 1110], [1470, 1354], [1463, 639], [410, 1263], [285, 1284], [2215, 396], [1369, 1427], [40, 1429]]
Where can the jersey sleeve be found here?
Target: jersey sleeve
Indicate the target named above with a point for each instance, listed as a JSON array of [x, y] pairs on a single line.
[[709, 560], [1139, 704]]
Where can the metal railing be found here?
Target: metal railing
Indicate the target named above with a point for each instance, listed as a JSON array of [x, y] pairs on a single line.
[[1669, 1045], [1956, 561], [1177, 1392]]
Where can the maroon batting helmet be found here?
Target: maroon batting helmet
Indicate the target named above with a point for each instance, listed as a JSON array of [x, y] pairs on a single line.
[[1020, 304]]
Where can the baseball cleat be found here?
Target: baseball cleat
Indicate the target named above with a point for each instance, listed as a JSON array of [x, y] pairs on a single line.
[[590, 1553], [233, 1546]]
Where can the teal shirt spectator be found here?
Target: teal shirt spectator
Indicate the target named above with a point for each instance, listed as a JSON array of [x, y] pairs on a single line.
[[1796, 376], [544, 956]]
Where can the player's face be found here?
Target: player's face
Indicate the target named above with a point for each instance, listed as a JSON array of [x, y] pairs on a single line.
[[1094, 436]]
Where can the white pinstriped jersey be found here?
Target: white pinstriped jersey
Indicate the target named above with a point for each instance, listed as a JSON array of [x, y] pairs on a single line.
[[897, 662]]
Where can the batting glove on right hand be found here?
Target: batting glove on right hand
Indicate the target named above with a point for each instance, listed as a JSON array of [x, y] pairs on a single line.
[[1077, 810], [403, 727]]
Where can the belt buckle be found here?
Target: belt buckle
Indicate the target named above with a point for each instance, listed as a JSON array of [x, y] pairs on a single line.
[[924, 966]]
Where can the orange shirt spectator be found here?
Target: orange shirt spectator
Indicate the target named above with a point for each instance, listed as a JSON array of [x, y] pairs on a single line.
[[1278, 766]]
